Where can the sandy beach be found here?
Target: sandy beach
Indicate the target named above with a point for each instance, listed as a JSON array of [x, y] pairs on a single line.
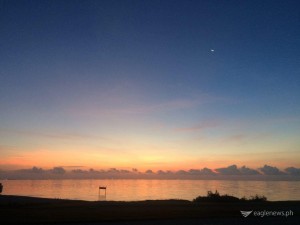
[[30, 210]]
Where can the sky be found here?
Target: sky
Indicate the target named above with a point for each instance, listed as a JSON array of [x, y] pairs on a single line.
[[149, 84]]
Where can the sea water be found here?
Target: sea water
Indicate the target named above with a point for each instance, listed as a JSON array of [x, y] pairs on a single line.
[[133, 190]]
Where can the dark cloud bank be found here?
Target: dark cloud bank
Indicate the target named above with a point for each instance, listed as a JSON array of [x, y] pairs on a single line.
[[231, 172]]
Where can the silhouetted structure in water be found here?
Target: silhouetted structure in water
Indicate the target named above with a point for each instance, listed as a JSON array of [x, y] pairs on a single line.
[[102, 197], [1, 188]]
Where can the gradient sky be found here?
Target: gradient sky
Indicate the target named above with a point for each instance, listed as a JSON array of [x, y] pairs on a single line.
[[149, 84]]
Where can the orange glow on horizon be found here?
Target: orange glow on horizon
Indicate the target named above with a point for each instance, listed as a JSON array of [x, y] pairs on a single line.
[[48, 159]]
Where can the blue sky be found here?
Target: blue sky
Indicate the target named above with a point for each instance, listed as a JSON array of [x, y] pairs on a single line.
[[138, 80]]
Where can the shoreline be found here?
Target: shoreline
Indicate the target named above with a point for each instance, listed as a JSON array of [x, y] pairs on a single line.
[[24, 198], [32, 210]]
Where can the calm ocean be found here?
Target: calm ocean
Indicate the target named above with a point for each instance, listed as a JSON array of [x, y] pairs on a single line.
[[129, 190]]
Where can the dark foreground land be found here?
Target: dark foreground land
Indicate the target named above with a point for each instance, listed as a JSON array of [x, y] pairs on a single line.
[[29, 210]]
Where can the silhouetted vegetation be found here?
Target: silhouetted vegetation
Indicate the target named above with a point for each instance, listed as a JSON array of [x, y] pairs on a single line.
[[258, 198], [216, 197]]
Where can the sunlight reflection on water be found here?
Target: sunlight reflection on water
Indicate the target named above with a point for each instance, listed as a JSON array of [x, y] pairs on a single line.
[[129, 190]]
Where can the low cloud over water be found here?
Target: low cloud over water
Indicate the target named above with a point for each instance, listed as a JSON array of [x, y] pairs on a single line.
[[231, 172]]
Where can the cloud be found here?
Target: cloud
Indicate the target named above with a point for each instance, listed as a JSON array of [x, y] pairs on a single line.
[[181, 172], [270, 170], [204, 125], [141, 107], [58, 170], [194, 172], [207, 171], [113, 170], [135, 170], [79, 171], [225, 172], [235, 138], [230, 170], [149, 172], [247, 171], [293, 171], [34, 169], [37, 170], [57, 135], [234, 170], [164, 106], [204, 171], [161, 172]]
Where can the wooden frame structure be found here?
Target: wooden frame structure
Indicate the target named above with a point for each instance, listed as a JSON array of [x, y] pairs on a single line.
[[102, 197]]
